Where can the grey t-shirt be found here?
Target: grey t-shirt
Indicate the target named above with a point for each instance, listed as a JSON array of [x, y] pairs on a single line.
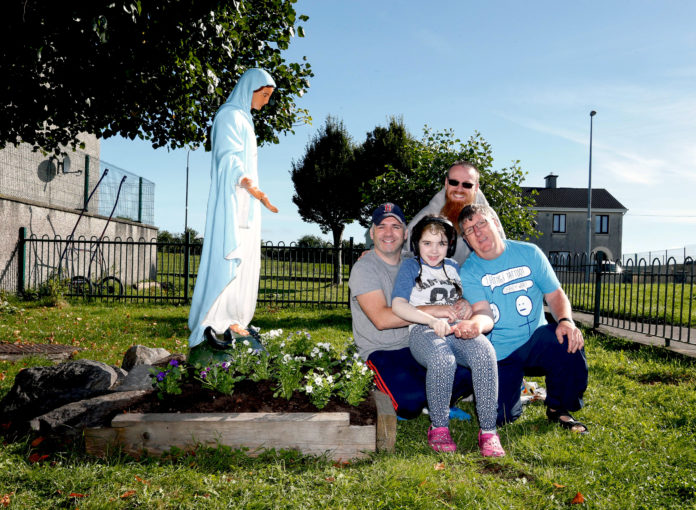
[[371, 273]]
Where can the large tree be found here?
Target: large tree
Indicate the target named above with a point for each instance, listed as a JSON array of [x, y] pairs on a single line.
[[413, 186], [325, 192], [151, 69]]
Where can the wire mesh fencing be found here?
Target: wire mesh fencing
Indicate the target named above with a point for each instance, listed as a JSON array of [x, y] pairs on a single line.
[[67, 181]]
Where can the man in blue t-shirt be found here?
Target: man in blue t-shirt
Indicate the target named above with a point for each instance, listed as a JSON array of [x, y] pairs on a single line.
[[514, 278]]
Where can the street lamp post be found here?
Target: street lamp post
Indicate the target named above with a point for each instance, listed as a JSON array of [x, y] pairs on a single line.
[[186, 239], [589, 199], [188, 153]]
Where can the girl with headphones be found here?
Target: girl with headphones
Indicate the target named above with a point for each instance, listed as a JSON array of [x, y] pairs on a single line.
[[432, 278]]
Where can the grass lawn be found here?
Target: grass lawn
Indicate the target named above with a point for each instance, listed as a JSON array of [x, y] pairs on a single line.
[[640, 453]]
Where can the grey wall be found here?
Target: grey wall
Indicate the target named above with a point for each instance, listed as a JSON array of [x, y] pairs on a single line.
[[575, 238], [36, 195]]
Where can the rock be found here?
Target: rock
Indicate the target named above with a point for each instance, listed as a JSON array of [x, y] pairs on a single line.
[[141, 355], [140, 378], [164, 362], [122, 374], [71, 418], [38, 390]]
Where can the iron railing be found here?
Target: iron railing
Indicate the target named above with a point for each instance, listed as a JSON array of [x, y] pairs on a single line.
[[151, 271], [646, 296], [651, 297]]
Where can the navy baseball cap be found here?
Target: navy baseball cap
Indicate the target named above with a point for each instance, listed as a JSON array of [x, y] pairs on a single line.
[[386, 210]]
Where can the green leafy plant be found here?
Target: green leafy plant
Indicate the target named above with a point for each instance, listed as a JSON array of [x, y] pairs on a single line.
[[356, 380], [262, 369], [219, 377], [323, 357], [288, 370], [168, 382], [319, 386]]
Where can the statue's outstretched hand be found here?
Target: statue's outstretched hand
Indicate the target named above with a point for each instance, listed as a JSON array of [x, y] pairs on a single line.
[[255, 192]]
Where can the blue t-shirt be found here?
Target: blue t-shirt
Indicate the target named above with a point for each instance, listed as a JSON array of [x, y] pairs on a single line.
[[514, 284]]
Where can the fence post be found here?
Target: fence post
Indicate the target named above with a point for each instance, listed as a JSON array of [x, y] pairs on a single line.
[[85, 197], [21, 260], [140, 200], [598, 288], [350, 256], [187, 239]]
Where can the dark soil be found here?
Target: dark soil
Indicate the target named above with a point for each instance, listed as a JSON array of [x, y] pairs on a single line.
[[248, 397]]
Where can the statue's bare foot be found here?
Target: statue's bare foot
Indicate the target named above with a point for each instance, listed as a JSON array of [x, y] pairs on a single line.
[[236, 328]]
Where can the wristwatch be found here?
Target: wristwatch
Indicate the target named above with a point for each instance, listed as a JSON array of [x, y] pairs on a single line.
[[566, 319]]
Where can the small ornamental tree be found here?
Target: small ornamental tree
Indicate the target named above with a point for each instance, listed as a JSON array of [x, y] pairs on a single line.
[[325, 189]]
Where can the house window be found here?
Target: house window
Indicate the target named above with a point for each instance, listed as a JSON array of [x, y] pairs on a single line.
[[601, 224], [559, 223]]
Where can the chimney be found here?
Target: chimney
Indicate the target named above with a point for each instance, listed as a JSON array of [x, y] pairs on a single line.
[[550, 181]]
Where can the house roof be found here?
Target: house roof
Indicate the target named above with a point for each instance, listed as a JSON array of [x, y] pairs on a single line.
[[573, 198]]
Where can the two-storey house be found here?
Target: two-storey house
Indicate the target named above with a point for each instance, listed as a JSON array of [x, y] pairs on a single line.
[[561, 217]]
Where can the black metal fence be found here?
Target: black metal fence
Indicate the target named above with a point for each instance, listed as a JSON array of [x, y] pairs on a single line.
[[647, 296], [151, 271]]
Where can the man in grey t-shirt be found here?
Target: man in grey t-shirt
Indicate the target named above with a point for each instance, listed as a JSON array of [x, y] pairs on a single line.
[[381, 336]]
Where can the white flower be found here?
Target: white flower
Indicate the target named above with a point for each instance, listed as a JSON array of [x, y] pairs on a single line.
[[246, 342], [309, 388], [250, 350], [329, 379]]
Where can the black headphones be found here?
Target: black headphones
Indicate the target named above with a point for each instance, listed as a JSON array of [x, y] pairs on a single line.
[[450, 233]]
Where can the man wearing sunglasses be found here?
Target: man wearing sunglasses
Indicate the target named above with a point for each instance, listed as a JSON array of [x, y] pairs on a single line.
[[511, 280], [461, 189]]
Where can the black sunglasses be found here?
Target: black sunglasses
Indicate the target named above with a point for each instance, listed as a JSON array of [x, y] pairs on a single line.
[[454, 183]]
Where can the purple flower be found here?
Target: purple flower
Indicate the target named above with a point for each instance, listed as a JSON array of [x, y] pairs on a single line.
[[161, 376], [174, 363]]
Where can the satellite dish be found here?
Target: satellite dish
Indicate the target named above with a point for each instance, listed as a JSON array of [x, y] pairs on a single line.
[[65, 166]]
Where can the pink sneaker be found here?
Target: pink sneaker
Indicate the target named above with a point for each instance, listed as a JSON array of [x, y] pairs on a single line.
[[440, 440], [489, 445]]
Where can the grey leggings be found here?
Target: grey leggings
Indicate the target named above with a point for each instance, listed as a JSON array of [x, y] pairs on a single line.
[[440, 357]]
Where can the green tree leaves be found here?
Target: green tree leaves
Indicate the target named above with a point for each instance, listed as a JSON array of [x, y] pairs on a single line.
[[326, 191], [153, 70], [421, 171]]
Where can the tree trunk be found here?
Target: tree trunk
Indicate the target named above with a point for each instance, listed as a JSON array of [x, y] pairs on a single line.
[[337, 259]]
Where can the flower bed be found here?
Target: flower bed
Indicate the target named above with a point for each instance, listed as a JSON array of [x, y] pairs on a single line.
[[292, 394]]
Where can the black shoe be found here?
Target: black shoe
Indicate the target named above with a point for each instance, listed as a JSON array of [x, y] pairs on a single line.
[[215, 342], [569, 423]]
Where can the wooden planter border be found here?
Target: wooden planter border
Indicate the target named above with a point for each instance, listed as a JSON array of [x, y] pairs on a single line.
[[310, 433]]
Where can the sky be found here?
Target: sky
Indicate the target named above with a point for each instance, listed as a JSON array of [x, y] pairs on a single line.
[[523, 74]]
